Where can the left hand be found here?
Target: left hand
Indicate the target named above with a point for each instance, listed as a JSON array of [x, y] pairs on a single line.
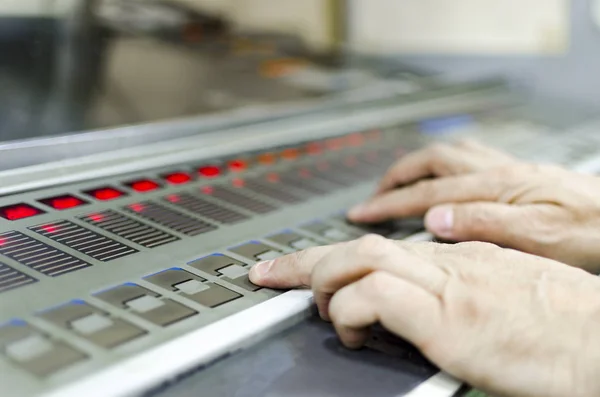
[[506, 322]]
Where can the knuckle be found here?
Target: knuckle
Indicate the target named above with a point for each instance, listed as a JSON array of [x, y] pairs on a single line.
[[376, 282], [371, 245], [296, 265]]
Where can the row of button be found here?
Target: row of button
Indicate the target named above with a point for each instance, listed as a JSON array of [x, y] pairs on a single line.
[[19, 211], [42, 354]]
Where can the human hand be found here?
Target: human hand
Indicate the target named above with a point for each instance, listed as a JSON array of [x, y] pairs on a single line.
[[508, 323], [480, 194]]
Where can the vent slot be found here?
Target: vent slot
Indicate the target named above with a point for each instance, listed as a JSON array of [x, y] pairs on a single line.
[[271, 190], [169, 218], [205, 208], [129, 229], [309, 184], [38, 256], [84, 240], [237, 199], [11, 278]]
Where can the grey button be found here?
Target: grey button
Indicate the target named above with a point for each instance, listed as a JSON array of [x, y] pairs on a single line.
[[192, 287], [255, 251], [196, 288], [171, 279], [293, 240], [28, 348], [119, 332], [214, 296], [211, 264], [147, 304], [329, 232], [234, 271], [34, 352], [91, 324]]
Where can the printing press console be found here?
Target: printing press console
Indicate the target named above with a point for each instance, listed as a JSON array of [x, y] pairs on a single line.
[[126, 272]]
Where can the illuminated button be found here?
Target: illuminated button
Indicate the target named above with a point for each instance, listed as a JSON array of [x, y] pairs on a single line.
[[238, 165], [63, 202], [267, 158], [178, 178], [290, 154], [19, 211], [355, 139], [105, 193], [335, 143], [314, 148], [144, 185], [209, 171]]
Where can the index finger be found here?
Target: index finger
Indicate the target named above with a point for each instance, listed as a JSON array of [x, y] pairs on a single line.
[[417, 199], [293, 270]]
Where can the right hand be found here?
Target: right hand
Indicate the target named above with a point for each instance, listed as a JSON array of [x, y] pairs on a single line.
[[479, 194], [508, 323]]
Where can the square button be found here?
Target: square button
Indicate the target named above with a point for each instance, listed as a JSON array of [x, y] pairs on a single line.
[[93, 324], [35, 352], [146, 304], [255, 251], [193, 287], [293, 240]]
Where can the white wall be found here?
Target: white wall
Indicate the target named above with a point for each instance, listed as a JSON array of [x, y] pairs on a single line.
[[306, 18]]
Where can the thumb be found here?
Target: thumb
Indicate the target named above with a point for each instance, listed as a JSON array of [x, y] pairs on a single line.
[[496, 223]]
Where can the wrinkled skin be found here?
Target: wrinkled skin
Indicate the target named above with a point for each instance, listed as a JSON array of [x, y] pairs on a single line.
[[468, 192], [506, 322]]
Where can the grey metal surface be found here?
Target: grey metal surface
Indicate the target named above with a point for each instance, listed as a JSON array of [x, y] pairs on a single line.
[[305, 361]]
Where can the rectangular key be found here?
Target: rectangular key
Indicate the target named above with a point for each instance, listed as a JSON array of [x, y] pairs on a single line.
[[39, 256], [255, 251], [84, 240], [206, 209], [129, 229], [234, 196], [169, 218]]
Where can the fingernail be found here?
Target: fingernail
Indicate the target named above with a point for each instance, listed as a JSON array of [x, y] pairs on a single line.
[[358, 211], [440, 220], [261, 269]]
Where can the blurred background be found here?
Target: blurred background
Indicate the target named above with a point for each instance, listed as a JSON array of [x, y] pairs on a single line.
[[77, 65]]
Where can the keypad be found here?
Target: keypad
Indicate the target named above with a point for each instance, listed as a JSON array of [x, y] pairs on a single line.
[[293, 240]]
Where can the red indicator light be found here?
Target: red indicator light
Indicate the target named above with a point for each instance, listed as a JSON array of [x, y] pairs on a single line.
[[355, 139], [137, 207], [267, 159], [178, 178], [273, 178], [174, 198], [63, 202], [290, 154], [144, 185], [335, 143], [238, 182], [19, 211], [105, 193], [314, 148], [3, 241], [96, 217], [207, 189], [238, 165], [50, 228], [209, 171]]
